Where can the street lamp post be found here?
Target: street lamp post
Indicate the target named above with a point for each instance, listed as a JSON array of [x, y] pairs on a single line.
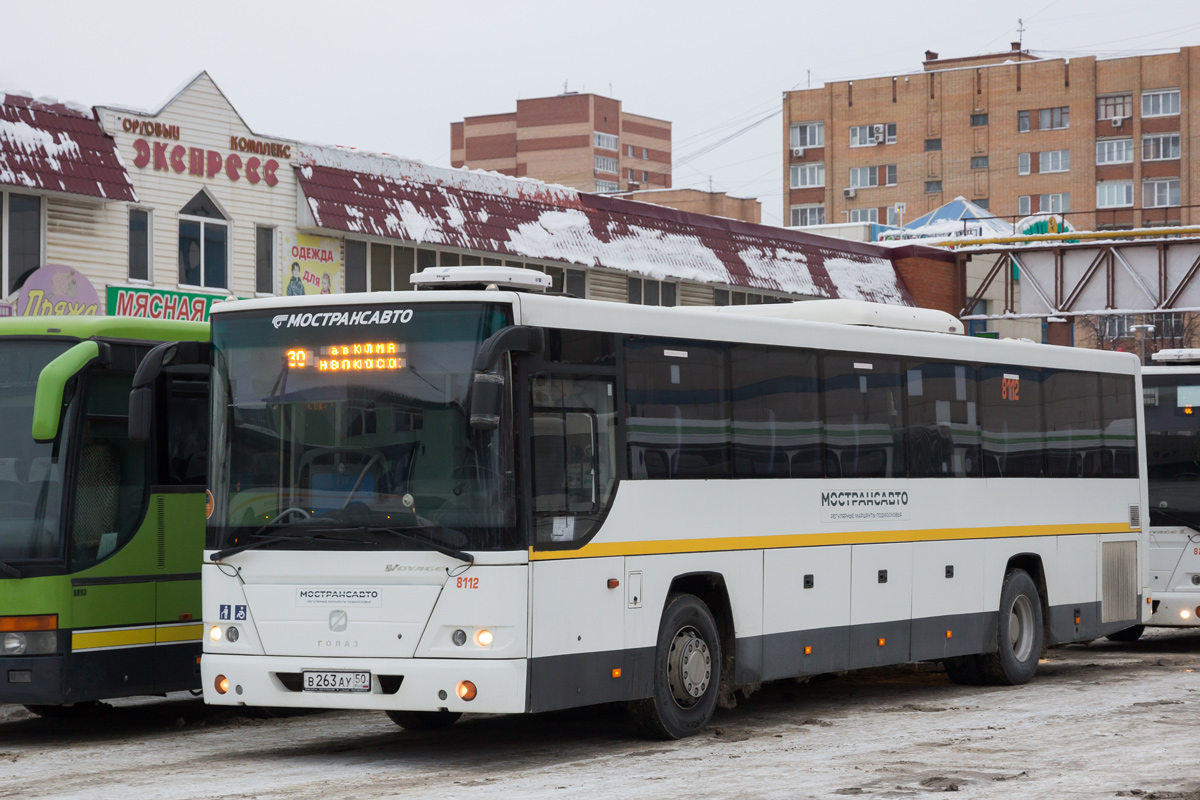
[[1145, 330]]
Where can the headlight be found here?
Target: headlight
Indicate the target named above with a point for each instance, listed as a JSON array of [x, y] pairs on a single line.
[[232, 634], [214, 633], [483, 637], [33, 643]]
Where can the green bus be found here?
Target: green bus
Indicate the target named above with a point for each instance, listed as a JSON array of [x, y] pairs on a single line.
[[100, 535]]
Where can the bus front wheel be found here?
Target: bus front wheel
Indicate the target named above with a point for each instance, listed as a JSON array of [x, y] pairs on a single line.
[[687, 672], [1018, 633], [424, 720]]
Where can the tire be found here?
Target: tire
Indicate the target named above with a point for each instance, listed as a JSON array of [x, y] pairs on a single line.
[[1130, 634], [964, 670], [424, 720], [67, 711], [1018, 633], [687, 672]]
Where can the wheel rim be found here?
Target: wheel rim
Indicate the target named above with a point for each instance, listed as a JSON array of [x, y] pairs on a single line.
[[1020, 627], [689, 667]]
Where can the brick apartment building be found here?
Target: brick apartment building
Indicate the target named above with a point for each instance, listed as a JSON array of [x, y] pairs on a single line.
[[1109, 142], [580, 140]]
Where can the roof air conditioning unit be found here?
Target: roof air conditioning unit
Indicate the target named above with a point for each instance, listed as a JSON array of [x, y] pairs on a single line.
[[798, 152], [1118, 121], [848, 193]]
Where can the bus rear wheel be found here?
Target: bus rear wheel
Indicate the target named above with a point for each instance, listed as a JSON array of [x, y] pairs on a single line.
[[1018, 633], [687, 672], [424, 720]]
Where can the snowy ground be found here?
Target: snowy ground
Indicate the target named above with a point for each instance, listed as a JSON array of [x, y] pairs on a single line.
[[1102, 721]]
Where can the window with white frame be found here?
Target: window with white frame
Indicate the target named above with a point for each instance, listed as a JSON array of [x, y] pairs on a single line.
[[890, 135], [631, 151], [1022, 122], [21, 224], [605, 164], [864, 135], [808, 134], [1023, 205], [1114, 106], [1055, 203], [890, 171], [631, 173], [1050, 119], [807, 176], [645, 154], [1164, 103], [1114, 194], [1163, 193], [864, 177], [893, 215], [264, 260], [139, 244], [864, 215], [1023, 163], [1114, 151], [813, 214], [605, 141], [1054, 161], [1160, 147], [647, 292], [203, 244], [607, 186], [1115, 326], [1167, 326]]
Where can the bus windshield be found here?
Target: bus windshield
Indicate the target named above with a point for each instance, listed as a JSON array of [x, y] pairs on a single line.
[[347, 427], [31, 478], [1172, 403]]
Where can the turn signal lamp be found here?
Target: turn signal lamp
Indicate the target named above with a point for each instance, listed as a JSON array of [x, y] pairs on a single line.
[[214, 633], [37, 622], [467, 691], [483, 637], [221, 684]]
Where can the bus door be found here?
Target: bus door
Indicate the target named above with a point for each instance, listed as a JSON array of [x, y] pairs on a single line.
[[569, 452]]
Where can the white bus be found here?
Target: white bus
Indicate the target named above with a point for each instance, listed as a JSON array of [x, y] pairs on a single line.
[[493, 501], [1171, 396]]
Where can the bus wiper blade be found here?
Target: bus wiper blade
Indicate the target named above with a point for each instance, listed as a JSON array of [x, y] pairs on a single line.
[[221, 555], [446, 550], [11, 571], [1189, 524]]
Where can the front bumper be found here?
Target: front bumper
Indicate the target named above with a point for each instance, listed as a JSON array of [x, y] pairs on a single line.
[[265, 681], [32, 680], [1170, 606]]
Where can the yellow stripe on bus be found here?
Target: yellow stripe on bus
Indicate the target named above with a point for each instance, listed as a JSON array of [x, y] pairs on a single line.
[[664, 546], [124, 637], [180, 633], [138, 636]]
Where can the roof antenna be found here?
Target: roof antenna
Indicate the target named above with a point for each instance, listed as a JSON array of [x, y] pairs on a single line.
[[564, 87], [1020, 38]]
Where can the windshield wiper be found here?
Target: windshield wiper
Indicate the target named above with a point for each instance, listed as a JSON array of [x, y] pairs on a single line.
[[11, 571], [1189, 524], [221, 555], [446, 550]]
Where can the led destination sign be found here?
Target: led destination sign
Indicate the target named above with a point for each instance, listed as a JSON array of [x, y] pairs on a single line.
[[357, 357]]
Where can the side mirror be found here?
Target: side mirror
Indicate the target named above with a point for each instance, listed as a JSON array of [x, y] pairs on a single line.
[[487, 398], [52, 383], [487, 390], [141, 399]]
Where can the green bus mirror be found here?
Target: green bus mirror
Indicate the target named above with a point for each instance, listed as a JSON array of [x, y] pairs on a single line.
[[52, 383], [141, 399]]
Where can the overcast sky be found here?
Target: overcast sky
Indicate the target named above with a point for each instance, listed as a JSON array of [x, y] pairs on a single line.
[[392, 76]]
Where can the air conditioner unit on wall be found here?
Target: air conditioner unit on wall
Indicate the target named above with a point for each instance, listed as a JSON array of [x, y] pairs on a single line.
[[1118, 121], [878, 130], [848, 193], [798, 152]]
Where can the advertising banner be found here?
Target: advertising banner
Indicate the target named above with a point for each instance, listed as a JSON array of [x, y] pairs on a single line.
[[130, 301], [312, 265], [57, 289]]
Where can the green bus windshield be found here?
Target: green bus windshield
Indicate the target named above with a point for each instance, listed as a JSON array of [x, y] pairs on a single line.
[[339, 426], [31, 474]]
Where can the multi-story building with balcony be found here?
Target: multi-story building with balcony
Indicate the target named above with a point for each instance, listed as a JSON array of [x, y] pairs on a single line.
[[580, 140], [1107, 141]]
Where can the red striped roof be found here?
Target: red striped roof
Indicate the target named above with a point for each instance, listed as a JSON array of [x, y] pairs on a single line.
[[54, 147], [352, 192]]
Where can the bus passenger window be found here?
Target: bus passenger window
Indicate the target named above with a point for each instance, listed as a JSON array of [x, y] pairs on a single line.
[[1073, 447], [864, 434], [1014, 433], [1118, 408], [943, 436], [777, 429]]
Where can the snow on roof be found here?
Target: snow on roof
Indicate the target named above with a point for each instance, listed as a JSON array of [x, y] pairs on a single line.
[[384, 196], [58, 147]]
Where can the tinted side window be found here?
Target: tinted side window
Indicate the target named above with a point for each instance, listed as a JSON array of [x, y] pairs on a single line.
[[183, 424], [580, 347], [1013, 433], [777, 430], [864, 434], [1118, 409], [943, 437], [1073, 448], [677, 409]]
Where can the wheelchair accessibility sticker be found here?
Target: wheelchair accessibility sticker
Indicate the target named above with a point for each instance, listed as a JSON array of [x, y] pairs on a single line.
[[237, 613]]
